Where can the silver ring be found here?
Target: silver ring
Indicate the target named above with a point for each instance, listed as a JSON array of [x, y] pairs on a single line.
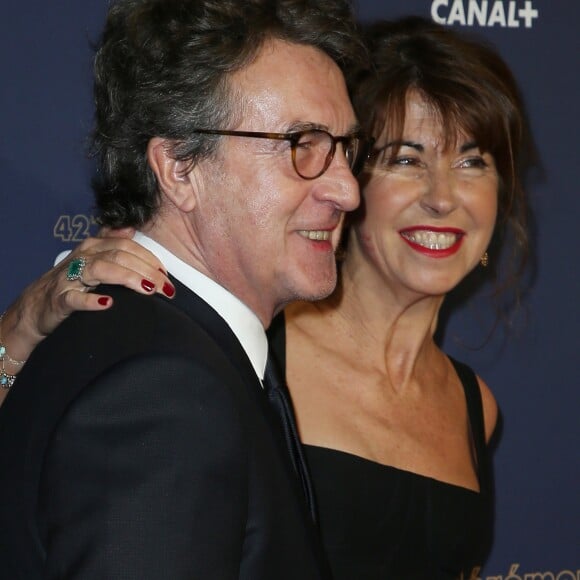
[[75, 269]]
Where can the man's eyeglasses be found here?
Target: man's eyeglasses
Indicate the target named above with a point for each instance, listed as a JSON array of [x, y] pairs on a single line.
[[313, 149]]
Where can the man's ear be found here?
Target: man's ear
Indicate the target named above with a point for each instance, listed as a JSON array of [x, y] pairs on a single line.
[[171, 174]]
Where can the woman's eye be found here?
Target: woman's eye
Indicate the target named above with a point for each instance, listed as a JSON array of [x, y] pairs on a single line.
[[403, 161], [476, 162]]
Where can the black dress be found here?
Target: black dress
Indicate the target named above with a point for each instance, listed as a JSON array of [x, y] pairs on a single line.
[[382, 523]]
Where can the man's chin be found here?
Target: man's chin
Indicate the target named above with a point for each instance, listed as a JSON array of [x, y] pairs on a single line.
[[323, 288]]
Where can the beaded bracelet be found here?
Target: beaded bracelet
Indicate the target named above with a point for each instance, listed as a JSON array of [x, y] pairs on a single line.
[[6, 380]]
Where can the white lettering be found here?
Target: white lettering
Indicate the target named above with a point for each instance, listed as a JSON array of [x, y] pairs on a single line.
[[527, 14], [435, 11], [457, 14], [512, 22], [497, 15], [503, 13], [512, 573], [476, 12], [540, 576]]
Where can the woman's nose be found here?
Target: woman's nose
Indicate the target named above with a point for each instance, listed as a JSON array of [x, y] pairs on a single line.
[[439, 198]]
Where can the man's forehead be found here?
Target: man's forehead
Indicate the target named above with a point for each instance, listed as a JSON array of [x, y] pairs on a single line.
[[299, 84]]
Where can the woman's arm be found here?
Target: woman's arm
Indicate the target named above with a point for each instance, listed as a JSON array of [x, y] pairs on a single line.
[[46, 302]]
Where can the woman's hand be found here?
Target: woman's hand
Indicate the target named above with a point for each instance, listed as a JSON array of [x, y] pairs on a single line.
[[44, 304]]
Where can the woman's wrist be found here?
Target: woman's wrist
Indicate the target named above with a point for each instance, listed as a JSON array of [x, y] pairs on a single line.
[[9, 366], [16, 344]]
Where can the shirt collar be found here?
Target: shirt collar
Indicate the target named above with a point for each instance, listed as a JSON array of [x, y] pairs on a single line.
[[243, 322]]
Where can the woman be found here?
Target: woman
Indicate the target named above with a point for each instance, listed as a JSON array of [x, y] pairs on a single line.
[[381, 408], [395, 431]]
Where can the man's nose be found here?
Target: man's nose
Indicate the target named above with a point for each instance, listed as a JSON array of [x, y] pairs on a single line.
[[342, 187]]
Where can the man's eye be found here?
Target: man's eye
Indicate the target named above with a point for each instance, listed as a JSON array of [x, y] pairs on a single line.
[[304, 144]]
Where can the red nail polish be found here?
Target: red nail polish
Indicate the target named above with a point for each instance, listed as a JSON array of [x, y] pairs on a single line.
[[103, 300], [162, 271], [168, 290], [147, 285]]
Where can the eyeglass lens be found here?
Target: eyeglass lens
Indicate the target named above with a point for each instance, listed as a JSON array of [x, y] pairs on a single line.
[[314, 151]]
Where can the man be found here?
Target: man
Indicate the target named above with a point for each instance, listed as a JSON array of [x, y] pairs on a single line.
[[225, 134]]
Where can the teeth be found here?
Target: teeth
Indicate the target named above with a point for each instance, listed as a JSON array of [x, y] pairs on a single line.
[[431, 240], [318, 235]]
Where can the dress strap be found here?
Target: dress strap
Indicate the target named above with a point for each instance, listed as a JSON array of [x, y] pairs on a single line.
[[476, 421]]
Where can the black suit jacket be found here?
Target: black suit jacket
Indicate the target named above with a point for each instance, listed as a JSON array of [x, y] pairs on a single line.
[[137, 443]]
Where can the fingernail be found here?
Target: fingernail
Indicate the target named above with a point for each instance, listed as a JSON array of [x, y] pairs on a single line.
[[162, 271], [168, 290], [103, 300], [147, 285]]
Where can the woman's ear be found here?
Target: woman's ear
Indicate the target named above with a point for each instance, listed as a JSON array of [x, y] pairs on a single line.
[[172, 174]]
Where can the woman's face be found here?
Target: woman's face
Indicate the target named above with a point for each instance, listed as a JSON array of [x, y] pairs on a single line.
[[429, 211]]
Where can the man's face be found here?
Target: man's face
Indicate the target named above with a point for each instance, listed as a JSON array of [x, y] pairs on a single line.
[[262, 231]]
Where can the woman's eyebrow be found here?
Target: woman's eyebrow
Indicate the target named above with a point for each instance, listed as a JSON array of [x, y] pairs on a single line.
[[403, 143], [467, 146]]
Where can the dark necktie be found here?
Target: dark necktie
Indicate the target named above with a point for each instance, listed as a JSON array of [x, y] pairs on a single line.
[[279, 399]]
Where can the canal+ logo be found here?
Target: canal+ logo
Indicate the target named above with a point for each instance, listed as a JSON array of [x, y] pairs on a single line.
[[499, 13]]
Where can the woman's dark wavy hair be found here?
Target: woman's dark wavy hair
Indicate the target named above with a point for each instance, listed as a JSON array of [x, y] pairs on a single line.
[[162, 69], [470, 88]]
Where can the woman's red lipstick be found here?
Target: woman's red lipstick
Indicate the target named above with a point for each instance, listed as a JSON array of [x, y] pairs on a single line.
[[435, 242]]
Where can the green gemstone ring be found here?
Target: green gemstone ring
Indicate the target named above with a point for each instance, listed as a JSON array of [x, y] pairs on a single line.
[[75, 269]]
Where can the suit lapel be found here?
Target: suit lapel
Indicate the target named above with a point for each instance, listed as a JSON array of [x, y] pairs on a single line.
[[216, 327]]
